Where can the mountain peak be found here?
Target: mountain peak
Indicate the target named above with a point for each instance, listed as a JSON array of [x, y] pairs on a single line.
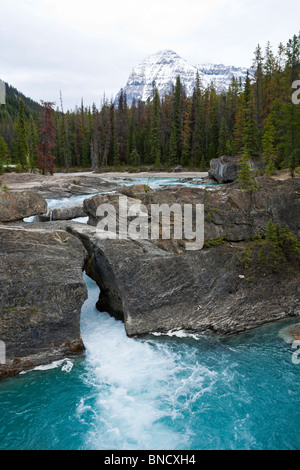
[[163, 68], [165, 53]]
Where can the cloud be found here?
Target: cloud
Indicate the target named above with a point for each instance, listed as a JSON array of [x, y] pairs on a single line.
[[87, 48]]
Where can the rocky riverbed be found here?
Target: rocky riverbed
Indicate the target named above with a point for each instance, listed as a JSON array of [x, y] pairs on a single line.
[[151, 286]]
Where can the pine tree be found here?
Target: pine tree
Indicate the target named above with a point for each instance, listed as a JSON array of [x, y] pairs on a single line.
[[64, 137], [245, 177], [94, 154], [116, 151], [47, 138], [33, 141], [239, 125], [268, 78], [250, 131], [223, 138], [177, 117], [22, 148], [258, 87], [271, 252], [155, 129], [134, 157], [293, 57], [172, 156], [122, 126], [293, 163], [268, 145], [186, 134], [197, 146], [4, 151], [212, 123]]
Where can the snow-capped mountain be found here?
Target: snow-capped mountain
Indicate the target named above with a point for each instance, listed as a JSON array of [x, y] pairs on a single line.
[[163, 67], [221, 75]]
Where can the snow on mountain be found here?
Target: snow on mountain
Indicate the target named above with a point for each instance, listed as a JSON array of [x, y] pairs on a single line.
[[221, 75], [163, 67]]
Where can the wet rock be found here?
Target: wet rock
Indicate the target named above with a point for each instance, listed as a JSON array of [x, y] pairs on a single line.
[[152, 290], [42, 292], [65, 213], [19, 205], [224, 169]]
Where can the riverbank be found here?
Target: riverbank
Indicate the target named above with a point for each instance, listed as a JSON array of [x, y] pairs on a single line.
[[152, 285]]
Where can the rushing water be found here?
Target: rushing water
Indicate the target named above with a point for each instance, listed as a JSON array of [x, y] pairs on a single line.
[[158, 392], [159, 183]]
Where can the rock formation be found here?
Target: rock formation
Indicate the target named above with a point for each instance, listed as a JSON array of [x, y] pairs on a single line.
[[19, 205], [224, 169], [153, 286], [42, 292], [160, 287]]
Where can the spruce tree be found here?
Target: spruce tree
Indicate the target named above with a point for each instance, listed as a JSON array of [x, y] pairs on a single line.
[[271, 253], [186, 135], [197, 146], [245, 177], [268, 145], [22, 148], [33, 141], [155, 129], [293, 163], [177, 117], [64, 137], [172, 155], [47, 138], [116, 150], [4, 151], [223, 138], [258, 87]]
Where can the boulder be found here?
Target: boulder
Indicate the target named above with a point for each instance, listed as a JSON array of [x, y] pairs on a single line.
[[69, 186], [91, 205], [65, 213], [224, 169], [19, 205], [42, 292], [178, 169]]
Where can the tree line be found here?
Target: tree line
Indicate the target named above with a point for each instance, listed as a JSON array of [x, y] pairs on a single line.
[[254, 119]]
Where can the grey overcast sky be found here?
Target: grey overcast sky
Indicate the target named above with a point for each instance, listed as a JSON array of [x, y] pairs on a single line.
[[87, 48]]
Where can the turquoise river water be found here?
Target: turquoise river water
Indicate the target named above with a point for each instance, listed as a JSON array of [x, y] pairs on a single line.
[[167, 392], [157, 393]]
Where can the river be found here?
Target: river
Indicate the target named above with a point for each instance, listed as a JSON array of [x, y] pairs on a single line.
[[169, 392]]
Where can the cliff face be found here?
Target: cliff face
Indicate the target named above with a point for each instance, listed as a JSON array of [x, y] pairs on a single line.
[[160, 287], [42, 292], [154, 290], [230, 213], [153, 286]]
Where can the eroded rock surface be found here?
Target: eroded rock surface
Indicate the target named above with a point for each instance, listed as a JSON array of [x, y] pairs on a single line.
[[19, 205], [42, 292]]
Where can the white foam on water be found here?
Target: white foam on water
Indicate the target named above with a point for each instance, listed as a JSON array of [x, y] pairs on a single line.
[[81, 220], [178, 334], [66, 364], [138, 387]]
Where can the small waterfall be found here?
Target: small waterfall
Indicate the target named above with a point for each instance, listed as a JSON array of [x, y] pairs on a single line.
[[51, 216]]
